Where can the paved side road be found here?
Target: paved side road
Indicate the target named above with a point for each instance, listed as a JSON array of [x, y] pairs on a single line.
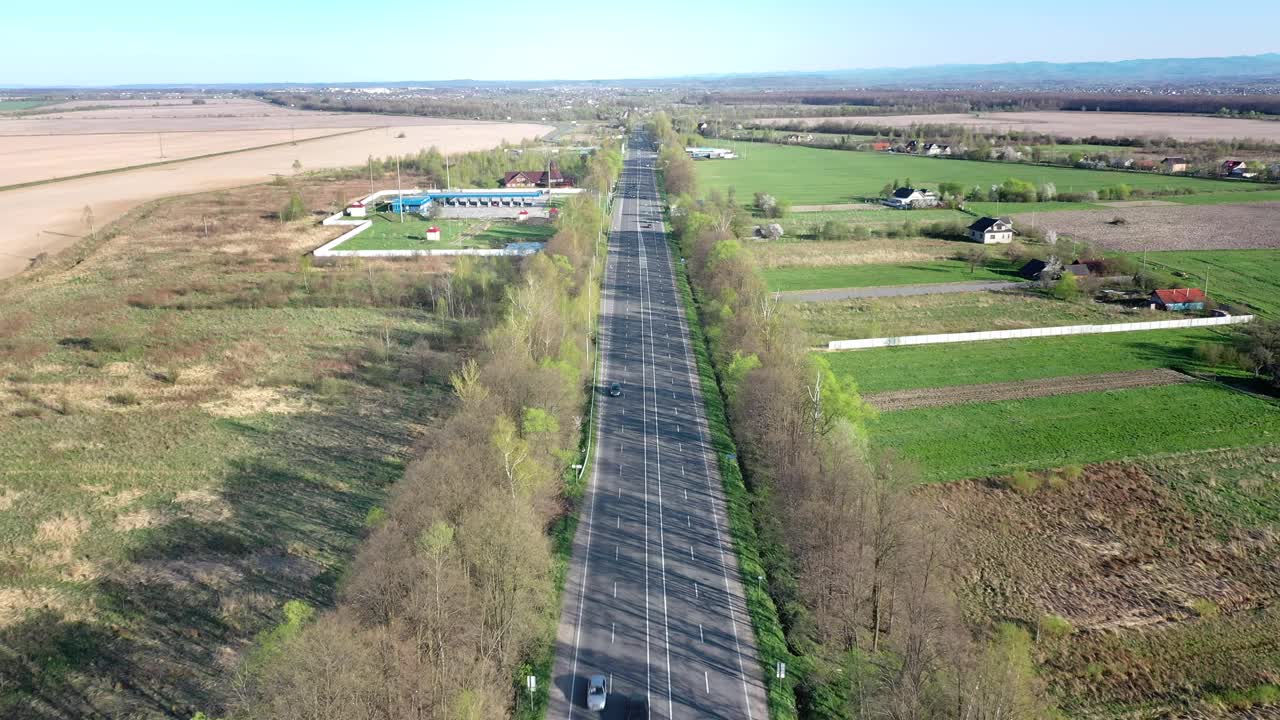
[[895, 291], [652, 599]]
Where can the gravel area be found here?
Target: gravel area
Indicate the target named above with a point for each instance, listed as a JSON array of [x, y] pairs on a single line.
[[1186, 227]]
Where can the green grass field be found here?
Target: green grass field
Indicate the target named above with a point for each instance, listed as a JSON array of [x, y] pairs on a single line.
[[389, 234], [992, 209], [1225, 198], [1249, 278], [15, 105], [809, 176], [978, 440], [923, 366], [851, 276]]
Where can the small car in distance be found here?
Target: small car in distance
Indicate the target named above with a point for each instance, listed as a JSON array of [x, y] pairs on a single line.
[[615, 390], [597, 693]]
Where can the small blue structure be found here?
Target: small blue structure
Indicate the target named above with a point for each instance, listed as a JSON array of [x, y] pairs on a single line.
[[419, 203]]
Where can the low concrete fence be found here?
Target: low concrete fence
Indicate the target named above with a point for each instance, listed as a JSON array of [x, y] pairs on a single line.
[[1034, 332]]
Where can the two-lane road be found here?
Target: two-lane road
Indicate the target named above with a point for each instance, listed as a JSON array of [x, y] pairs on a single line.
[[653, 600]]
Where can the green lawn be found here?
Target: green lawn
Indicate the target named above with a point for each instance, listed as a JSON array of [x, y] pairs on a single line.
[[1222, 198], [15, 105], [387, 233], [978, 440], [1249, 278], [807, 176], [923, 366], [851, 276], [992, 209]]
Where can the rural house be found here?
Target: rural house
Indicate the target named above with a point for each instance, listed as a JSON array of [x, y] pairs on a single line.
[[536, 178], [905, 198], [1053, 269], [881, 146], [1178, 299], [991, 230], [936, 150], [1236, 169], [1174, 165]]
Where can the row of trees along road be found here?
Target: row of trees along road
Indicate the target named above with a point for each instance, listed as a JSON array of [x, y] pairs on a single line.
[[453, 593], [858, 564]]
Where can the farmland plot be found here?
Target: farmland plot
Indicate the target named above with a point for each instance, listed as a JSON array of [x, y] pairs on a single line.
[[1190, 227]]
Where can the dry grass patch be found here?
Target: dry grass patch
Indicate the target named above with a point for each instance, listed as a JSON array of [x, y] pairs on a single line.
[[16, 602], [255, 400], [876, 251], [8, 497], [64, 530]]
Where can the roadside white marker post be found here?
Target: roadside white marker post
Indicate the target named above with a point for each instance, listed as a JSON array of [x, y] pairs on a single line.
[[532, 683], [782, 670]]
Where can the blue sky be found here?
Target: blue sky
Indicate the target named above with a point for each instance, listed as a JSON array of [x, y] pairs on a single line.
[[97, 43]]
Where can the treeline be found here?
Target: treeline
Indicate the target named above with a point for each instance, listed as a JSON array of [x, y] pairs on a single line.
[[497, 104], [857, 564], [453, 593], [482, 169], [888, 102]]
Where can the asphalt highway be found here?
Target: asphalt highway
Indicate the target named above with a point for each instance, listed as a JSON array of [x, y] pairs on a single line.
[[653, 599]]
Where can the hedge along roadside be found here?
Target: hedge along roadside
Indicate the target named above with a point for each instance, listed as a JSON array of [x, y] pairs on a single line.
[[770, 638]]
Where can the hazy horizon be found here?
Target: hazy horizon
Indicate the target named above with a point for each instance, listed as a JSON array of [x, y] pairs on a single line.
[[324, 42]]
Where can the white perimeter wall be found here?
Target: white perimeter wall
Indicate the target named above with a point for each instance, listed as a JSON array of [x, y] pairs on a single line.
[[1034, 332]]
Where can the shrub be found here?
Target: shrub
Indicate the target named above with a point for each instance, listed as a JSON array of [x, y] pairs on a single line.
[[1024, 482], [375, 517], [1067, 288], [124, 398], [294, 209], [1204, 607], [833, 230], [1054, 627]]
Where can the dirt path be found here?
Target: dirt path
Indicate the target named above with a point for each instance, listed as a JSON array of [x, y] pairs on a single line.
[[995, 392]]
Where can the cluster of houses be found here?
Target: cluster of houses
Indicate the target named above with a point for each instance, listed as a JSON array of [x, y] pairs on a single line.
[[710, 153], [537, 179]]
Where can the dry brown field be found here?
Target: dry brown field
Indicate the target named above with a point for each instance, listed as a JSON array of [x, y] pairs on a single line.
[[48, 218], [875, 251], [1163, 571], [36, 158], [1079, 124], [1186, 227], [996, 392]]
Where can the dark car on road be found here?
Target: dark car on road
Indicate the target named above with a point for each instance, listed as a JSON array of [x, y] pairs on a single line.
[[615, 390]]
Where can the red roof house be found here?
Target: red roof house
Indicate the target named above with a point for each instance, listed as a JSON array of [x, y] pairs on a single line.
[[1179, 299]]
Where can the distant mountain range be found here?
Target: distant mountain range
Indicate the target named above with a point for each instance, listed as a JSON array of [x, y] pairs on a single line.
[[1243, 70]]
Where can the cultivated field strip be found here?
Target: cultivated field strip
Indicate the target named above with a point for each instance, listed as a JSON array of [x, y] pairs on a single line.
[[997, 392]]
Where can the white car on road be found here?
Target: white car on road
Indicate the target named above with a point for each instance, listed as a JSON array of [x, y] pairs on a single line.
[[597, 693]]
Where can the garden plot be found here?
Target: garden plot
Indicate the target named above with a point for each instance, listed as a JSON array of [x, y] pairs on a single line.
[[1189, 227]]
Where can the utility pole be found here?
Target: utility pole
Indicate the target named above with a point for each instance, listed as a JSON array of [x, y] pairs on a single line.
[[399, 191], [160, 137], [448, 181], [370, 174]]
